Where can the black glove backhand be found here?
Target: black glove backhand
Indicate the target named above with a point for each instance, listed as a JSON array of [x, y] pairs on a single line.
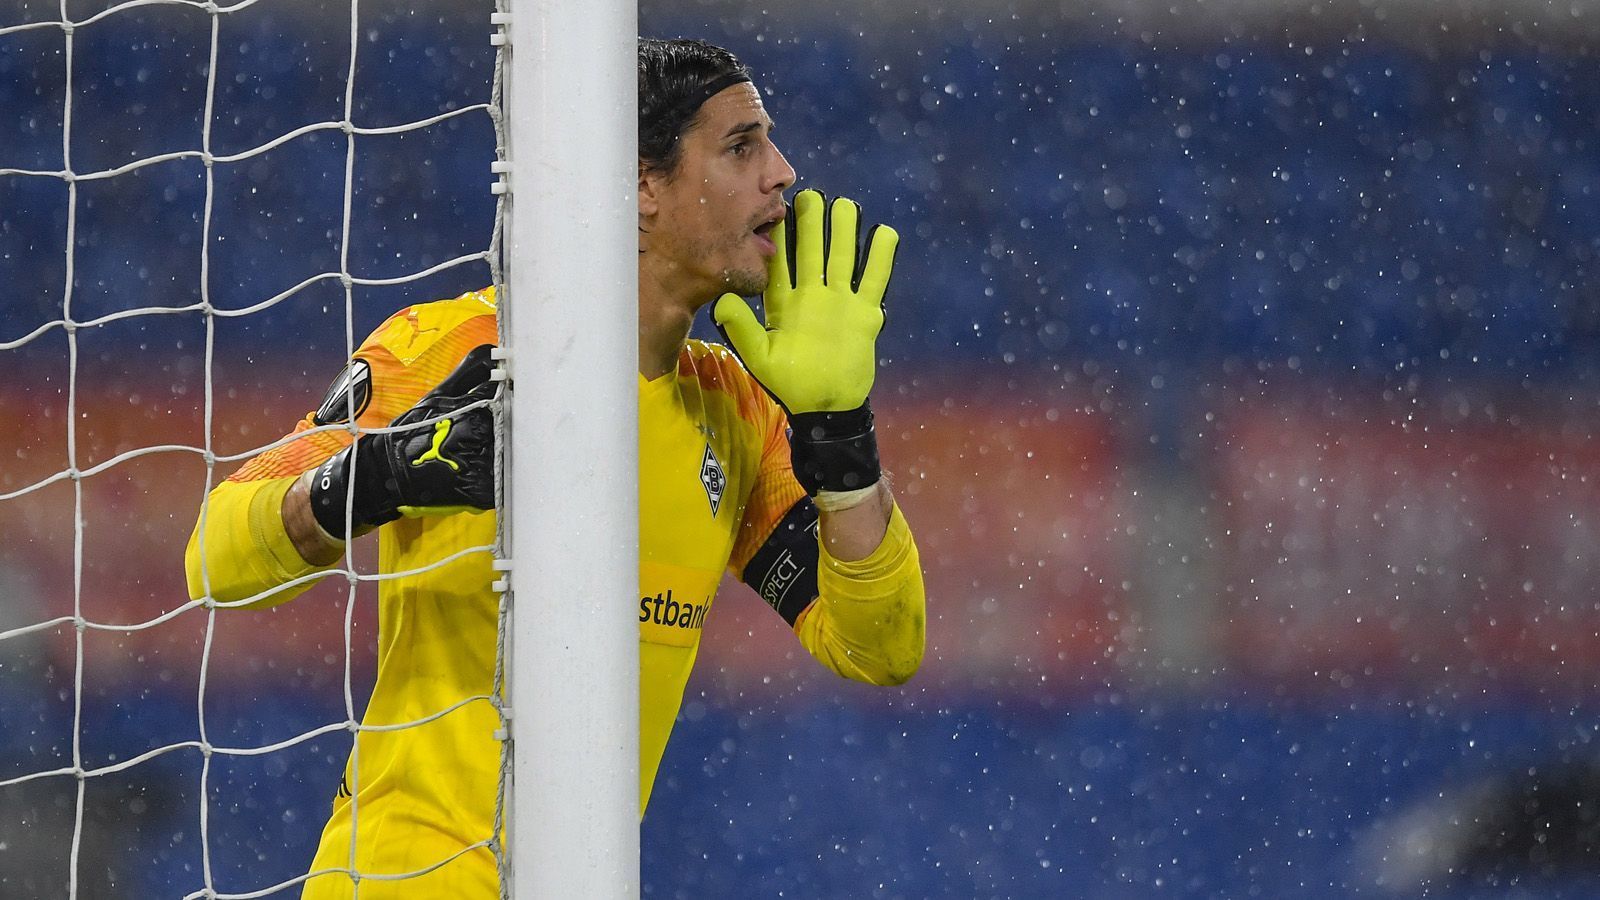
[[442, 467]]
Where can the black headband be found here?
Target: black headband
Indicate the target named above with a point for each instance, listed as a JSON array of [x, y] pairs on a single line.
[[691, 104]]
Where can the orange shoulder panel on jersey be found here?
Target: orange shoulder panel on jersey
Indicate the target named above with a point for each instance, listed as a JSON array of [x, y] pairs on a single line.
[[418, 346], [776, 490], [718, 369], [412, 351]]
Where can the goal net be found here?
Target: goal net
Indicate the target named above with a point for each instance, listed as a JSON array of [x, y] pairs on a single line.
[[204, 208]]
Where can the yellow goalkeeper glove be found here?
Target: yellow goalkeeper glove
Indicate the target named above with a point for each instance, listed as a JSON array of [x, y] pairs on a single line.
[[817, 352]]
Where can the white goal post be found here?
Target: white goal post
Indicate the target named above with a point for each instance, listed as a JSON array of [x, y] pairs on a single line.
[[570, 320]]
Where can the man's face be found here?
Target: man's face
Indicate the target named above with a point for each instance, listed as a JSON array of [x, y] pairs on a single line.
[[712, 219]]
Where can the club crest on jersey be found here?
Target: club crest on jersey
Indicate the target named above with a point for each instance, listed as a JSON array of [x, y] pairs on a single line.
[[354, 383], [713, 479]]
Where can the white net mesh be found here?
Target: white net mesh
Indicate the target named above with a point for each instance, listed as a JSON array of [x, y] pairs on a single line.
[[43, 629]]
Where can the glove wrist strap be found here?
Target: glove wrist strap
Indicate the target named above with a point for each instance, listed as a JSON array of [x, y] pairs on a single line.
[[371, 504], [834, 451], [839, 501]]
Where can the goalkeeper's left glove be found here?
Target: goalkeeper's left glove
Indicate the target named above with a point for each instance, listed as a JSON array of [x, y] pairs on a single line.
[[817, 354]]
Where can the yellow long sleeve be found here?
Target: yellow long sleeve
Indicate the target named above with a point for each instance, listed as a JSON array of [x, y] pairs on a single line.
[[247, 550], [869, 621]]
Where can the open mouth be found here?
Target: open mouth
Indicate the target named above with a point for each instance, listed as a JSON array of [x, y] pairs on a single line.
[[763, 233]]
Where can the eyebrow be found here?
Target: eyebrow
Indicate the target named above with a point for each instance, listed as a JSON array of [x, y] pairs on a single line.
[[748, 127]]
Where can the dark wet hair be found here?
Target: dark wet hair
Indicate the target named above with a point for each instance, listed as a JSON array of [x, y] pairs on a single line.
[[675, 78]]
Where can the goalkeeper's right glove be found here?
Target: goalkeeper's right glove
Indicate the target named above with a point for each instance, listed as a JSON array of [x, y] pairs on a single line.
[[445, 466], [817, 353]]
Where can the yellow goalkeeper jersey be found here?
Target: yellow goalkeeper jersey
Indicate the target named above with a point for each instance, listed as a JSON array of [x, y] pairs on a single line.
[[716, 494]]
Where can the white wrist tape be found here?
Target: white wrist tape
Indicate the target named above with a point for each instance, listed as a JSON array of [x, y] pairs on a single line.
[[838, 501]]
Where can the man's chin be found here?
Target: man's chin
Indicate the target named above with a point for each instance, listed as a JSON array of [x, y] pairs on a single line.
[[745, 284]]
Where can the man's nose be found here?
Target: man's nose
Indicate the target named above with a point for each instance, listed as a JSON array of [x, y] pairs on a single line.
[[781, 175]]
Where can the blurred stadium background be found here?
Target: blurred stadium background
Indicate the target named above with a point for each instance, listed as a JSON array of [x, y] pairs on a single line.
[[1240, 382]]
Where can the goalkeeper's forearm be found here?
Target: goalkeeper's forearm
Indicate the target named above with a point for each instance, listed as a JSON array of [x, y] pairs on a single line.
[[314, 545], [241, 546], [868, 622], [854, 533]]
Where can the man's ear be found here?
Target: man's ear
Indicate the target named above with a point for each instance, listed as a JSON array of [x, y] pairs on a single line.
[[649, 193]]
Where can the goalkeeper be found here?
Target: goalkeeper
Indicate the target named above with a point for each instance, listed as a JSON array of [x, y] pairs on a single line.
[[768, 469]]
